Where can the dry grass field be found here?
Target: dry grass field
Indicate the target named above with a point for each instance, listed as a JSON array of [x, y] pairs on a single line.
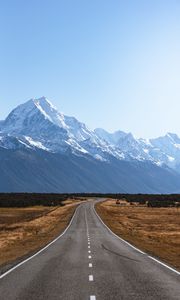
[[24, 230], [154, 230]]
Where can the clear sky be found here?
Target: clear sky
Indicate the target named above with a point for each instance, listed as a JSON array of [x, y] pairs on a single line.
[[111, 63]]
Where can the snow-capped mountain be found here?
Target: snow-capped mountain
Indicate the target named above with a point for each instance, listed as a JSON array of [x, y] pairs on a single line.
[[111, 138], [38, 124], [42, 149], [164, 150]]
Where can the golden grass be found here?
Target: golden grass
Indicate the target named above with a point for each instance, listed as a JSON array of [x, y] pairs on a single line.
[[25, 230], [154, 230]]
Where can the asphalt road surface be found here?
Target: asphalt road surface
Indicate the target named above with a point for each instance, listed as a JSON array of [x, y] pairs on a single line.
[[89, 262]]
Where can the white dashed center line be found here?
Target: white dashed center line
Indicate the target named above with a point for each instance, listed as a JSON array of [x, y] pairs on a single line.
[[91, 278]]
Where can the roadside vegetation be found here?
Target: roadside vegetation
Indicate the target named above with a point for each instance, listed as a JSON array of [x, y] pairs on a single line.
[[24, 230], [34, 199], [28, 221], [156, 230], [31, 199]]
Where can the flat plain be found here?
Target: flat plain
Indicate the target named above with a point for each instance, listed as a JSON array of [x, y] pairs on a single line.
[[25, 230], [153, 230]]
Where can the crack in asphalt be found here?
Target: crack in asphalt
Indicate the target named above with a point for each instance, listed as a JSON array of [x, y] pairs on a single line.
[[113, 252]]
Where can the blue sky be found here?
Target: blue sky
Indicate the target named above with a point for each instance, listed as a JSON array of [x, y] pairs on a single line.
[[112, 64]]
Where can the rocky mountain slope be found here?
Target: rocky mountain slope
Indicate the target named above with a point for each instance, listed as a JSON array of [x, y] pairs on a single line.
[[43, 150]]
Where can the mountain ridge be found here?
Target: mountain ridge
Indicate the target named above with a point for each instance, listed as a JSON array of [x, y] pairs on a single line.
[[40, 121], [38, 127]]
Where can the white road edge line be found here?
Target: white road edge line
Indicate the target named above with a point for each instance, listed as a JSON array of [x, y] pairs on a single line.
[[90, 265], [116, 234], [47, 246], [158, 261], [163, 264], [89, 256], [91, 278], [92, 297]]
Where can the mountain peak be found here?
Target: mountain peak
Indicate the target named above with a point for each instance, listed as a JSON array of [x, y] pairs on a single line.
[[39, 122], [31, 115], [43, 101], [47, 109], [172, 135]]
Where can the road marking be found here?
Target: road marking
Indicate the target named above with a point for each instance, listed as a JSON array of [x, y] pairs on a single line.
[[91, 278], [37, 253], [163, 264], [90, 265], [89, 247], [89, 256], [158, 261], [89, 251], [88, 243], [116, 234], [92, 297]]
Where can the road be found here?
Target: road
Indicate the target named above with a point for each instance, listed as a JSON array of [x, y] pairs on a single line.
[[89, 262]]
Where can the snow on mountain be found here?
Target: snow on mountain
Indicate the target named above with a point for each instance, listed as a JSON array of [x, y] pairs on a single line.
[[170, 143], [32, 116], [10, 142], [40, 125], [111, 138], [101, 149], [37, 124], [168, 148], [126, 143], [162, 151], [31, 143]]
